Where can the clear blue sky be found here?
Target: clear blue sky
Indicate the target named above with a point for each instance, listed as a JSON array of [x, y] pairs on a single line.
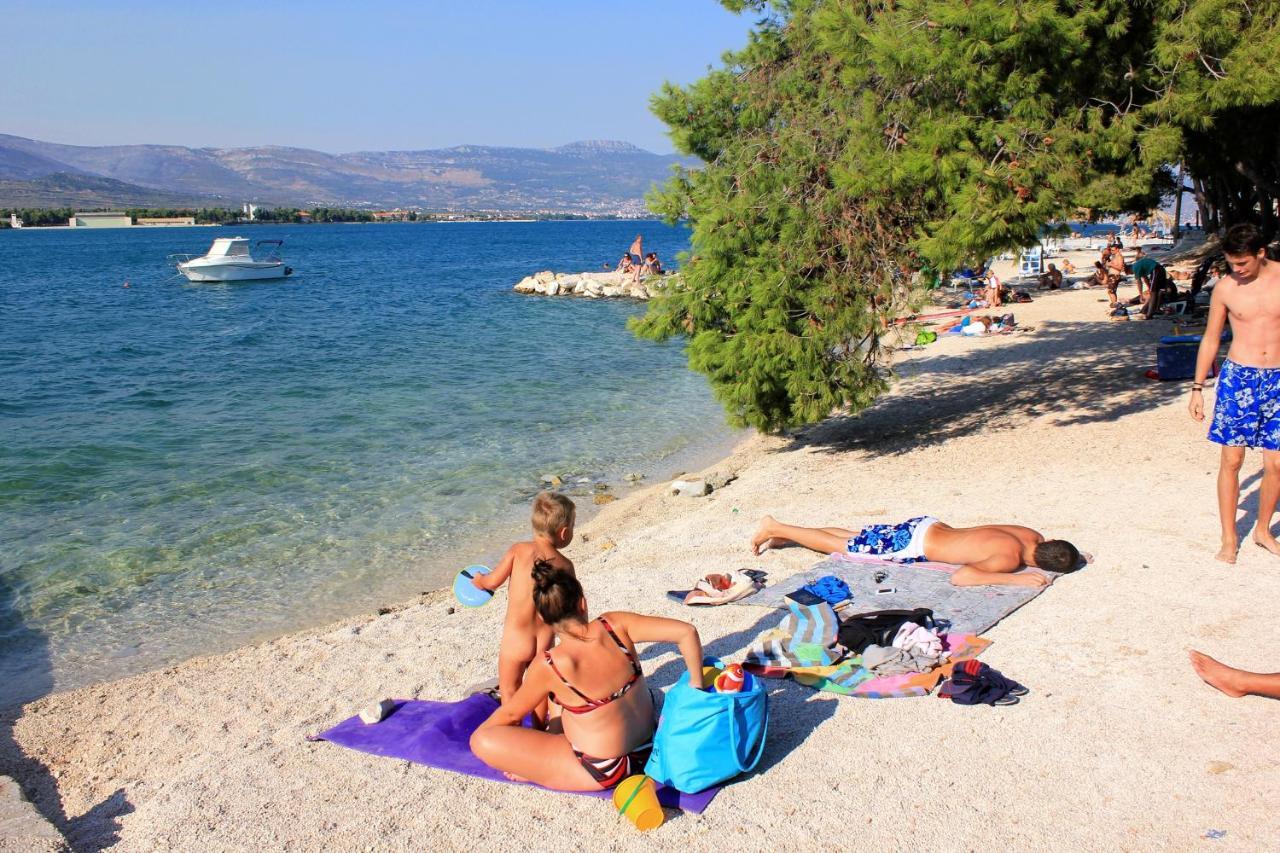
[[353, 76]]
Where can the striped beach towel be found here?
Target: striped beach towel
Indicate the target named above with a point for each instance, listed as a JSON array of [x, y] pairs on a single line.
[[806, 636]]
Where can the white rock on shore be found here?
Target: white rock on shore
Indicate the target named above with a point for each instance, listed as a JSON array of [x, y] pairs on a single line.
[[592, 285]]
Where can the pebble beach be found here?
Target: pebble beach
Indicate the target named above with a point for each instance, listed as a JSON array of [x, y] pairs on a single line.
[[1118, 745]]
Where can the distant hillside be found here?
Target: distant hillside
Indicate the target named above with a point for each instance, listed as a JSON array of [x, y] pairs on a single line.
[[581, 177], [64, 189]]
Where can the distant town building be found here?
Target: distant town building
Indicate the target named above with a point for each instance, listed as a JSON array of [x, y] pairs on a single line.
[[101, 219], [14, 221], [166, 220], [390, 215], [250, 211]]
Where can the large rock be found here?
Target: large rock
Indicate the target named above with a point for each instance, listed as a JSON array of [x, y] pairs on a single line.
[[690, 488], [592, 285]]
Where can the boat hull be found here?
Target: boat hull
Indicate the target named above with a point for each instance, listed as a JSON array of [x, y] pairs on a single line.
[[233, 272]]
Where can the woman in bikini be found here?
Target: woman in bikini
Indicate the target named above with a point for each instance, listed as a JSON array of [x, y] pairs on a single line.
[[605, 731]]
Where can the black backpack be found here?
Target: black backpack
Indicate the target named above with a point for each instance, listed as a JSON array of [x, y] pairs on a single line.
[[879, 627]]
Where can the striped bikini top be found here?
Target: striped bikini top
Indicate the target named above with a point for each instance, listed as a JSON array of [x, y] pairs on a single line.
[[593, 704]]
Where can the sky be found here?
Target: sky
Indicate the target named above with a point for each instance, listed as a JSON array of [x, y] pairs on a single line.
[[343, 77]]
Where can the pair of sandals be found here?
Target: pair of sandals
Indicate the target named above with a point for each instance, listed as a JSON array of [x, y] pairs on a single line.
[[720, 588]]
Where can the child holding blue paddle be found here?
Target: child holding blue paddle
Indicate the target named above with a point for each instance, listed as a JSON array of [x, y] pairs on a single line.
[[524, 635]]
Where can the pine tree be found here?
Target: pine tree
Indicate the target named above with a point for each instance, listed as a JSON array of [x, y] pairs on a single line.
[[851, 143]]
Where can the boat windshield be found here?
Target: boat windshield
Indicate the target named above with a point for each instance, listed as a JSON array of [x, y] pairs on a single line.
[[230, 247]]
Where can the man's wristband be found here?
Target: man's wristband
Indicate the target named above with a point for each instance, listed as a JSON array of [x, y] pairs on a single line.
[[1196, 386]]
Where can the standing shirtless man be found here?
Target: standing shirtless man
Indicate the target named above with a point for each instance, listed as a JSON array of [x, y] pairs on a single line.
[[1246, 409]]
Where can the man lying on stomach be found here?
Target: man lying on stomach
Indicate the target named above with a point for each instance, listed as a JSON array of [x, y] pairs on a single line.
[[989, 554]]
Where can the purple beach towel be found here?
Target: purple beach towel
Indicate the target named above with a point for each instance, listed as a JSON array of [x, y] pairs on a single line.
[[438, 734]]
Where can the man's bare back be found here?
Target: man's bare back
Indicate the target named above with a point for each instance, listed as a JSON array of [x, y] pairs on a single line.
[[999, 546]]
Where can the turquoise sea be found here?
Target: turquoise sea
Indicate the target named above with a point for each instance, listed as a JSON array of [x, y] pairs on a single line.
[[188, 467]]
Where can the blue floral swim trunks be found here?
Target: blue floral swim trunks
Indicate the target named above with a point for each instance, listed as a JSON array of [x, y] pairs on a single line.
[[901, 543], [1246, 407]]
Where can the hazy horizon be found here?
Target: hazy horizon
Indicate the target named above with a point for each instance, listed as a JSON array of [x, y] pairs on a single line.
[[322, 76], [472, 144]]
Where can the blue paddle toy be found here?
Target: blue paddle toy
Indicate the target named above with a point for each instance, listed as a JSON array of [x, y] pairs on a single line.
[[466, 592]]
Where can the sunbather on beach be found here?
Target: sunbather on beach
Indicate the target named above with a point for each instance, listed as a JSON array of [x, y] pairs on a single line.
[[1235, 682], [1052, 278], [989, 554], [993, 291], [606, 731], [524, 636]]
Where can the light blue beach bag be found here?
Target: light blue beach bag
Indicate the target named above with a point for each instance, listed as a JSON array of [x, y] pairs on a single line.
[[705, 738]]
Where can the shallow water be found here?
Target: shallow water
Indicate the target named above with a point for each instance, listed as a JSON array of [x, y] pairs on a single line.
[[186, 467]]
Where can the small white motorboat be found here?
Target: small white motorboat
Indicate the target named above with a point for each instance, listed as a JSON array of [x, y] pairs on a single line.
[[230, 259]]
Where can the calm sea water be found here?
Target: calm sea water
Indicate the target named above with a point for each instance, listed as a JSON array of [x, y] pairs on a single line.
[[186, 467]]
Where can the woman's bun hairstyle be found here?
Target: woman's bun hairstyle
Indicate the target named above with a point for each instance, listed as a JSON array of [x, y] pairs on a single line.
[[557, 595]]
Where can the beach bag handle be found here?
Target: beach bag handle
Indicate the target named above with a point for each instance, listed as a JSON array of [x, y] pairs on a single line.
[[733, 726], [764, 732]]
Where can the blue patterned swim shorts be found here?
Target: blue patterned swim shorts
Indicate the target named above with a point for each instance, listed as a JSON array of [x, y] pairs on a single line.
[[901, 543], [1246, 407]]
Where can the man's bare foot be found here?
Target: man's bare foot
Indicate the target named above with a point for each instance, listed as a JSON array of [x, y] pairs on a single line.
[[514, 777], [1227, 553], [1267, 541], [763, 540], [1217, 674]]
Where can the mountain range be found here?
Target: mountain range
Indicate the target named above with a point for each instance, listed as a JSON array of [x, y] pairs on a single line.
[[583, 177]]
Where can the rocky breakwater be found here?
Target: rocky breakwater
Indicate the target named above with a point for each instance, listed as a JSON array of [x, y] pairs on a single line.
[[593, 285]]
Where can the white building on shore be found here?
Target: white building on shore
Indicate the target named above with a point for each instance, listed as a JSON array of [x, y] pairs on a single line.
[[101, 219]]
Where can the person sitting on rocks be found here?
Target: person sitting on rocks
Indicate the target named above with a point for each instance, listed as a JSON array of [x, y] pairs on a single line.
[[651, 265], [989, 554], [626, 265]]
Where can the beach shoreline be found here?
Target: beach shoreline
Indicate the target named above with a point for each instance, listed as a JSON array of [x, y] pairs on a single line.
[[1055, 428], [429, 571]]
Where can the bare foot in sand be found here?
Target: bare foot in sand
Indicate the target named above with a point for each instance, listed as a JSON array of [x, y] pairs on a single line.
[[763, 540], [1264, 539], [1227, 553], [514, 777], [1217, 674]]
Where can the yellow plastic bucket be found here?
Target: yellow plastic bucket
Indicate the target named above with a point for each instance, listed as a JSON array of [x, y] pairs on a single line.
[[637, 798]]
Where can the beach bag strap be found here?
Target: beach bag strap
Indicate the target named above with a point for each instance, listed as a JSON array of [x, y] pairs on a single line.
[[733, 726], [733, 738]]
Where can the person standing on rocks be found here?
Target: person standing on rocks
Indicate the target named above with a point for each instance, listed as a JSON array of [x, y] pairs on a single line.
[[1246, 410]]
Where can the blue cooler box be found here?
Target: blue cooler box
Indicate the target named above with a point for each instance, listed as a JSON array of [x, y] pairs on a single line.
[[1176, 356]]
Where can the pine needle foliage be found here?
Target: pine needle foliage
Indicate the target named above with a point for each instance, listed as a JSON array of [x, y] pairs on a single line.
[[850, 144]]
